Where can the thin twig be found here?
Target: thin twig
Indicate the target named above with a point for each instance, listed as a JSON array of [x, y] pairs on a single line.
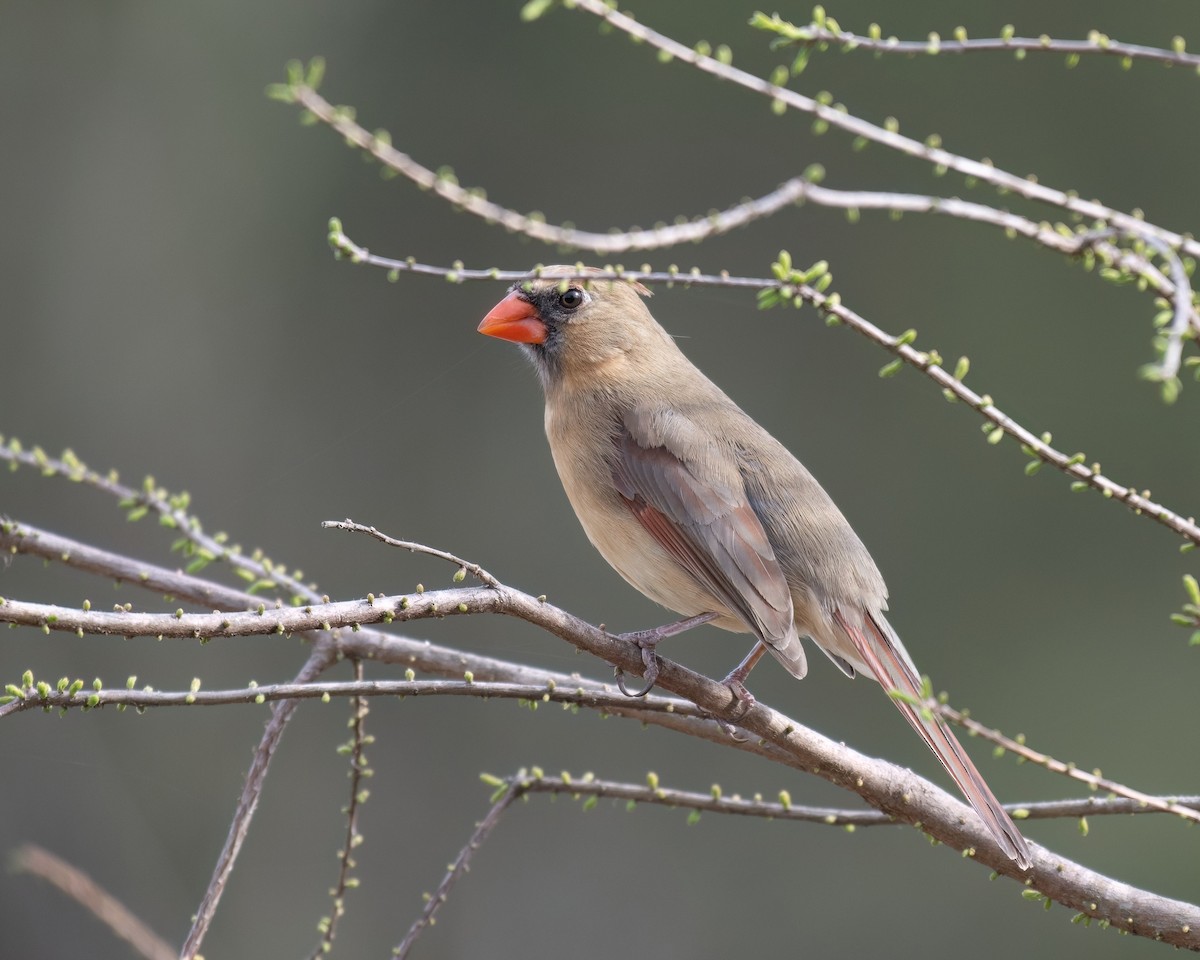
[[927, 362], [523, 783], [815, 34], [101, 904], [576, 694], [1094, 779], [457, 869], [465, 566], [934, 155], [717, 802], [792, 192], [1185, 320], [171, 513], [321, 658], [379, 146], [346, 863]]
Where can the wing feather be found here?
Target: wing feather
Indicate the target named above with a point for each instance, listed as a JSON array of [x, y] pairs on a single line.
[[709, 527]]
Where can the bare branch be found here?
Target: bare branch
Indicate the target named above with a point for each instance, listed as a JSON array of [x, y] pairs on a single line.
[[321, 658], [379, 146], [376, 645], [523, 783], [815, 35], [464, 566], [171, 510], [101, 904], [934, 155], [460, 866], [1185, 320], [717, 802], [1094, 780], [898, 793], [792, 192], [578, 694], [358, 771], [929, 363], [498, 599]]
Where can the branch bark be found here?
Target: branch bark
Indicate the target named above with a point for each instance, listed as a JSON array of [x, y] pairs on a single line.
[[898, 793]]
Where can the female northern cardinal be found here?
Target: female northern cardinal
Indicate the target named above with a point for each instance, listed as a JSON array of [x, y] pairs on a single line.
[[701, 509]]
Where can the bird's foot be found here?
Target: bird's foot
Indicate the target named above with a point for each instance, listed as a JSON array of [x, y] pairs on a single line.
[[647, 641], [649, 673], [743, 699]]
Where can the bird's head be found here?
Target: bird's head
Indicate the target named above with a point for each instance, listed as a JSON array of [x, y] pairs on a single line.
[[570, 324]]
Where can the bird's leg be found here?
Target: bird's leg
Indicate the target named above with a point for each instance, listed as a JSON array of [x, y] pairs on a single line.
[[647, 640], [735, 680]]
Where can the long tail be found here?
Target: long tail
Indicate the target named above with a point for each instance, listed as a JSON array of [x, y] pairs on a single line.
[[881, 650]]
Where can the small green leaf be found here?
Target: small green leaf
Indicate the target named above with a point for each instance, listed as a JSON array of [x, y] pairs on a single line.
[[316, 72], [1192, 587], [535, 9]]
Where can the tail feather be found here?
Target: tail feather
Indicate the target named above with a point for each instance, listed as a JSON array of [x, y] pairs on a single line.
[[880, 649]]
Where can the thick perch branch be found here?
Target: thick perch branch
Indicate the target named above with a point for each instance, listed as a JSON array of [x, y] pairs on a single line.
[[898, 793]]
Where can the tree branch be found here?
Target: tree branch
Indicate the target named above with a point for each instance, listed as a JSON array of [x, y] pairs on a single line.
[[101, 904], [321, 658], [792, 289], [717, 802], [792, 192], [898, 793], [932, 154], [460, 866], [818, 35]]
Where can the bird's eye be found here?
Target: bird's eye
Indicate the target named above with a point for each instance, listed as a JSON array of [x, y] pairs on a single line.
[[570, 298]]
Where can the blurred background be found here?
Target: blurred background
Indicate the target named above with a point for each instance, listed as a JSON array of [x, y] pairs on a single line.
[[168, 305]]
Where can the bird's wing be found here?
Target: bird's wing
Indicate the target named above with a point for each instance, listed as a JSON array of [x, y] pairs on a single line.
[[709, 527]]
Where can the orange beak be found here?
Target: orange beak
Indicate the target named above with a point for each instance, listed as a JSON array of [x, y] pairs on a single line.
[[514, 319]]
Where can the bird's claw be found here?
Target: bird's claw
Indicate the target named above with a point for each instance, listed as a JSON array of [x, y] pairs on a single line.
[[743, 700], [730, 730], [647, 640], [649, 661]]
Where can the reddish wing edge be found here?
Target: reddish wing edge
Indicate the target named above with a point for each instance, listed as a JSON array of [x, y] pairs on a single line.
[[721, 544]]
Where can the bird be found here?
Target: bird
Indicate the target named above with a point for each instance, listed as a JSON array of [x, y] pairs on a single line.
[[701, 509]]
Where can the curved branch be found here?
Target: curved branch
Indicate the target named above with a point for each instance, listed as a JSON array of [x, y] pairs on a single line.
[[460, 866], [929, 363], [321, 658], [790, 193], [898, 793], [411, 546], [935, 155], [817, 34], [445, 186], [81, 888], [376, 609], [1093, 780]]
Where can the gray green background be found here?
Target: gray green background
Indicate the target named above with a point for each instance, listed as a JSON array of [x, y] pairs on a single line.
[[168, 305]]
